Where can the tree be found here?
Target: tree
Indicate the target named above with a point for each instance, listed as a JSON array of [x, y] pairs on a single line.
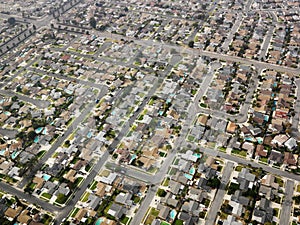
[[93, 22], [191, 44], [11, 21]]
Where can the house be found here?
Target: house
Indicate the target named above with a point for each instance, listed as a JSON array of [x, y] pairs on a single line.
[[93, 201], [100, 189], [231, 220], [124, 198], [188, 219], [190, 207], [260, 151], [116, 210], [80, 214], [196, 194], [249, 147], [262, 216], [210, 161], [12, 213], [202, 184], [23, 218], [291, 144], [237, 197], [289, 159], [279, 140], [276, 157], [164, 211], [231, 127], [172, 202], [174, 187]]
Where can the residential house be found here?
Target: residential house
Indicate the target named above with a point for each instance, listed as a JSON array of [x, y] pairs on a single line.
[[116, 210]]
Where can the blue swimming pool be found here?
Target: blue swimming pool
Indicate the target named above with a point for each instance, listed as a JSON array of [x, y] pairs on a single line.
[[266, 118], [188, 176], [89, 135], [2, 152], [249, 139], [45, 131], [173, 214], [36, 139], [198, 155], [259, 140], [46, 177], [14, 155], [192, 171], [38, 130], [99, 221]]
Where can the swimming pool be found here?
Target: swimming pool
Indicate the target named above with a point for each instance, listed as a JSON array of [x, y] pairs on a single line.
[[45, 131], [38, 130], [99, 221], [36, 139], [192, 171], [46, 177], [249, 139], [198, 155], [14, 155], [173, 214], [89, 135], [2, 152], [259, 140], [188, 176], [266, 118]]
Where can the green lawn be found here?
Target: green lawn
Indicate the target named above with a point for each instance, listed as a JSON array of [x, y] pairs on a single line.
[[94, 185], [166, 182], [74, 212], [47, 195], [239, 152], [85, 197], [191, 138]]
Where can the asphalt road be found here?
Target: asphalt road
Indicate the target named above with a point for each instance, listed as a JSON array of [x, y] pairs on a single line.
[[265, 45], [215, 55], [38, 103], [295, 124], [64, 212], [243, 161], [233, 30], [29, 198], [285, 214], [219, 197], [79, 81]]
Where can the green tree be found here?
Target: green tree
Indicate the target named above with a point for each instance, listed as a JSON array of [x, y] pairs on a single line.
[[191, 44], [93, 22]]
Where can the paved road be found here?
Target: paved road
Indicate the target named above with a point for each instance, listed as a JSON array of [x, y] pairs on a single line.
[[233, 30], [65, 211], [219, 197], [79, 81], [61, 139], [199, 52], [285, 214], [37, 102], [242, 117], [180, 141], [243, 161], [295, 124], [29, 198]]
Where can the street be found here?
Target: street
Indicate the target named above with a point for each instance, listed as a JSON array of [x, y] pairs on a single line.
[[285, 214], [219, 197]]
